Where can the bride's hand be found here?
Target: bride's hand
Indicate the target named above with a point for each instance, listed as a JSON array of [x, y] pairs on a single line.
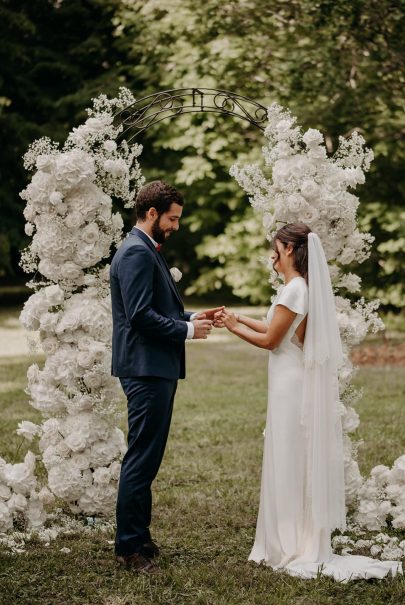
[[218, 321], [230, 320]]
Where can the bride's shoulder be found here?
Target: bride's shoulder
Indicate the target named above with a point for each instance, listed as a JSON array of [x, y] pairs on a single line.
[[297, 283]]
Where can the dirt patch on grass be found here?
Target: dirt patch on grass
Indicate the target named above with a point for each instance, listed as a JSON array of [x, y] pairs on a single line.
[[386, 353]]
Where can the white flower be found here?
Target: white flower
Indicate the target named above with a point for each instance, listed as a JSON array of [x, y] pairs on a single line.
[[6, 518], [17, 503], [73, 168], [71, 271], [347, 256], [176, 274], [296, 203], [102, 475], [45, 162], [56, 198], [29, 228], [27, 429], [309, 189], [46, 497], [90, 233], [68, 482], [309, 214], [350, 420], [5, 492], [54, 295], [65, 550], [375, 550], [117, 168], [20, 477], [110, 146], [312, 137], [74, 220]]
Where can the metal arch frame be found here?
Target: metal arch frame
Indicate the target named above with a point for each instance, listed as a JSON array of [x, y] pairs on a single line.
[[150, 110]]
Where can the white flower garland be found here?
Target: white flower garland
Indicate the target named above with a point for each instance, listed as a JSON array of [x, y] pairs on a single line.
[[69, 216]]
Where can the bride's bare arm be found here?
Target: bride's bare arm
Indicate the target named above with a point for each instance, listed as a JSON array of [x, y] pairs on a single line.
[[254, 324], [274, 334]]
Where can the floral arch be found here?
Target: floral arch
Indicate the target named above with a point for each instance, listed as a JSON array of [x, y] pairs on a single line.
[[73, 228]]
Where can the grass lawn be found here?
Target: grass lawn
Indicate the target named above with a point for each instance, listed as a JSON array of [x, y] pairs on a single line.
[[205, 498]]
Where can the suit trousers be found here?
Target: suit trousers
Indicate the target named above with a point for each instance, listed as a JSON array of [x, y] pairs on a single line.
[[150, 406]]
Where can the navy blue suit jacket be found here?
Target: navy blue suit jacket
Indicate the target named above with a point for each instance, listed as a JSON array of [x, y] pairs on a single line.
[[149, 321]]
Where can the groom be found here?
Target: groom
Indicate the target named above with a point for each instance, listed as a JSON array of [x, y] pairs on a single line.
[[150, 327]]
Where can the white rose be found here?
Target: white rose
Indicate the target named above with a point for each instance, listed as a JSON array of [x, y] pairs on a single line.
[[54, 295], [117, 221], [56, 198], [45, 162], [27, 429], [48, 269], [102, 475], [17, 503], [29, 228], [93, 380], [312, 137], [350, 420], [73, 168], [76, 441], [85, 359], [20, 477], [46, 497], [318, 154], [5, 492], [71, 271], [283, 128], [49, 345], [295, 202], [309, 214], [74, 220], [310, 189], [117, 168], [90, 233], [96, 125], [176, 274], [375, 550], [115, 470], [6, 518]]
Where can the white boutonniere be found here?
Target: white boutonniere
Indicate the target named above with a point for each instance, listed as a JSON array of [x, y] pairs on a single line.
[[176, 274]]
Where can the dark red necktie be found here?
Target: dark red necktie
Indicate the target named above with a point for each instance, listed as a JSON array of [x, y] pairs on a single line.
[[158, 247]]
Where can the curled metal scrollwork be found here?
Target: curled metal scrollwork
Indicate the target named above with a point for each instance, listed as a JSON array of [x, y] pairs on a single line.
[[164, 105]]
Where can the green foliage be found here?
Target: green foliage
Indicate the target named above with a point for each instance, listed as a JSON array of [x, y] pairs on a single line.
[[337, 65], [54, 57]]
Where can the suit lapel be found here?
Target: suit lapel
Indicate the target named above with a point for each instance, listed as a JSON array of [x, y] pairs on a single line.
[[161, 261]]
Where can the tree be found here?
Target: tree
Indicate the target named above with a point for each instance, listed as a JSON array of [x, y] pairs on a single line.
[[54, 57], [337, 65]]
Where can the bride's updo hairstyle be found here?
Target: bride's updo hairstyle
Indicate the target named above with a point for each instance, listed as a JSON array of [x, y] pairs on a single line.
[[295, 234]]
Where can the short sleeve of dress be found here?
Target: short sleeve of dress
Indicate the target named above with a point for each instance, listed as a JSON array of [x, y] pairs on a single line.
[[294, 296]]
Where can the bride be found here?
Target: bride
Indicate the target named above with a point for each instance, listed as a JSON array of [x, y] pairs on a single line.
[[302, 488]]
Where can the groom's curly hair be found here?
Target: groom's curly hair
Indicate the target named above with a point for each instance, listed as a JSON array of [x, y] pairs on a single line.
[[156, 194], [295, 234]]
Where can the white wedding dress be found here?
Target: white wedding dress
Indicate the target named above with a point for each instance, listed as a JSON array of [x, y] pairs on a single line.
[[286, 537]]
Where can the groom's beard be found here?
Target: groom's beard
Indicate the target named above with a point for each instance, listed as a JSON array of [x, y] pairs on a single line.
[[160, 235]]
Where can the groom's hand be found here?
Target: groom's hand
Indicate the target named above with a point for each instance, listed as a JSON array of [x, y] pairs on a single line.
[[202, 328], [209, 313]]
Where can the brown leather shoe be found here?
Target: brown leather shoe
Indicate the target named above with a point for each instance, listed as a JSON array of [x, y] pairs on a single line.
[[137, 562], [150, 550]]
